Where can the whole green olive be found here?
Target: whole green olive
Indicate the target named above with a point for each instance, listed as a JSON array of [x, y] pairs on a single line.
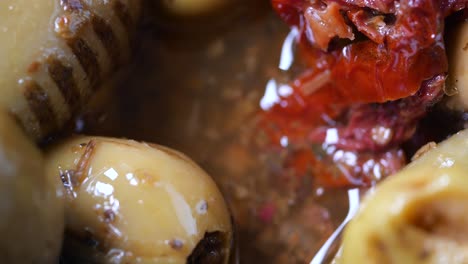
[[31, 204], [131, 202], [418, 215]]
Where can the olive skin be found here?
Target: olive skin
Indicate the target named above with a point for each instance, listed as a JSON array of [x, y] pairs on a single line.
[[131, 202], [31, 204], [418, 215], [58, 54], [457, 83]]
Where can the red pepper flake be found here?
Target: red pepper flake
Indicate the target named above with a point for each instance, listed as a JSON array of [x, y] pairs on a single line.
[[267, 212]]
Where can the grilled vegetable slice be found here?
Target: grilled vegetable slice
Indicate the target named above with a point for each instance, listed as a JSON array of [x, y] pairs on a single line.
[[31, 207], [131, 202], [56, 54], [419, 215]]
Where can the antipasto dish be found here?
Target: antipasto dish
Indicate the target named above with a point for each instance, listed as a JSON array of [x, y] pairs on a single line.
[[329, 131]]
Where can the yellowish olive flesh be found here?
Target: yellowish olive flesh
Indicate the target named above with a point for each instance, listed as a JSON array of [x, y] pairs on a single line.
[[139, 203], [56, 54], [419, 215], [31, 205], [457, 47], [24, 27]]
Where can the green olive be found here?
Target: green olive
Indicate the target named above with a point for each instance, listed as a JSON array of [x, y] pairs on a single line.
[[457, 84], [131, 202], [55, 54], [419, 215], [31, 207]]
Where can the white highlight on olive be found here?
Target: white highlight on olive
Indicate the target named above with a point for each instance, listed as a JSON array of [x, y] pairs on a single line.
[[111, 174], [103, 189], [183, 210]]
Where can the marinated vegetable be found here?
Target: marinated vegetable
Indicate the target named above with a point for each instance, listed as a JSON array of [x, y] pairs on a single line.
[[350, 104], [31, 204], [418, 215], [56, 54], [130, 202], [372, 70], [457, 84]]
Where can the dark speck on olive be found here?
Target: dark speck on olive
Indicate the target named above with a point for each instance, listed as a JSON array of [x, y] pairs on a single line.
[[109, 216], [176, 244]]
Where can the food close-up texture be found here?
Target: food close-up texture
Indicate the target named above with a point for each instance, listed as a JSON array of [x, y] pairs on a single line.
[[225, 132]]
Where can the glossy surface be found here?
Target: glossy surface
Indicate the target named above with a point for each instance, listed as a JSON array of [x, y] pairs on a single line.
[[457, 84], [418, 215], [390, 60], [25, 28], [31, 205], [57, 54], [208, 113], [139, 203], [369, 79], [198, 88]]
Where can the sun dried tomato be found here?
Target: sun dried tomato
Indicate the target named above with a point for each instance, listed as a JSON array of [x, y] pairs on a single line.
[[373, 69]]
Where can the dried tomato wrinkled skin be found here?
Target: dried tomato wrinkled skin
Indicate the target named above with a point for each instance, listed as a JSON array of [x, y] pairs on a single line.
[[388, 71], [392, 63]]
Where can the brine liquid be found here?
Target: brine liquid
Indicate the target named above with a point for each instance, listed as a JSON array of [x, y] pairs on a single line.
[[197, 87]]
